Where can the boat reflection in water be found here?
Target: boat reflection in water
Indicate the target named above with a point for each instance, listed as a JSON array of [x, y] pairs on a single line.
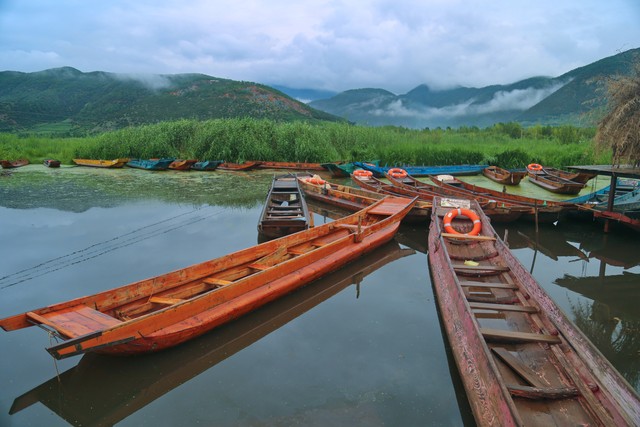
[[103, 390]]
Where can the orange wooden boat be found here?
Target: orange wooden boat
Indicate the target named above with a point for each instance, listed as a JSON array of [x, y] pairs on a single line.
[[504, 176], [8, 164], [292, 165], [354, 199], [182, 164], [521, 360], [97, 163], [167, 310], [246, 166]]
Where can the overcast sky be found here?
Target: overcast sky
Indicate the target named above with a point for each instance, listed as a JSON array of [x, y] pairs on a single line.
[[321, 44]]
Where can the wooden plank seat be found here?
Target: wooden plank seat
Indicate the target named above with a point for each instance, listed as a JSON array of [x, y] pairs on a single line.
[[75, 321], [503, 307], [214, 281], [470, 283], [517, 336]]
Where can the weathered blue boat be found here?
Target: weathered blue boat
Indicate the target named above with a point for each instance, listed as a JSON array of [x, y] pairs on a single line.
[[207, 165], [417, 171], [344, 170], [151, 164]]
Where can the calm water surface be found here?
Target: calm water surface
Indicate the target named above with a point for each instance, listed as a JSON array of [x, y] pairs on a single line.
[[362, 346]]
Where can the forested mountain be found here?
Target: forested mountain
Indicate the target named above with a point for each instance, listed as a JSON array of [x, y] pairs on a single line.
[[67, 100], [575, 98]]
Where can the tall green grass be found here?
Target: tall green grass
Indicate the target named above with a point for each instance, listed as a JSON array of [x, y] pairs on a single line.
[[237, 140]]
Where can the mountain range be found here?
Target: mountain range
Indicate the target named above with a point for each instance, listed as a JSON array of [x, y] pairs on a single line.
[[571, 98], [68, 101]]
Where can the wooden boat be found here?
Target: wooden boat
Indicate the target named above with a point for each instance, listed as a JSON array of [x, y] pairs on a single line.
[[116, 387], [182, 164], [354, 199], [418, 171], [246, 166], [51, 163], [581, 177], [542, 211], [151, 164], [344, 170], [206, 165], [620, 218], [169, 309], [504, 176], [9, 164], [521, 360], [553, 183], [285, 211], [96, 163], [496, 212], [302, 166]]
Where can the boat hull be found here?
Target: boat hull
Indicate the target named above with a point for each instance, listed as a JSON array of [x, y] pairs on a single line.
[[167, 310], [521, 360], [285, 210], [96, 163], [504, 176]]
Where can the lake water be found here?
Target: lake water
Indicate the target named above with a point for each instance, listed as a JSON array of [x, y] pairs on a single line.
[[361, 346]]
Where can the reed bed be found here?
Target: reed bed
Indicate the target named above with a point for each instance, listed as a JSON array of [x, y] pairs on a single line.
[[237, 140]]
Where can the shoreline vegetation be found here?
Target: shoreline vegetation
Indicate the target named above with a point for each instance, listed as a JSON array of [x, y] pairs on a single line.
[[508, 145]]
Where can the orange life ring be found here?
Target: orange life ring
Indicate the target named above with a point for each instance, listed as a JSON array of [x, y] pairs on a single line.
[[397, 173], [477, 224], [534, 167], [362, 173], [316, 180]]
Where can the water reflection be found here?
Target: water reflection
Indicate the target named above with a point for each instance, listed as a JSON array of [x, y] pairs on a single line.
[[104, 390]]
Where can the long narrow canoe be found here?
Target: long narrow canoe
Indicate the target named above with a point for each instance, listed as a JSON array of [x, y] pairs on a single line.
[[11, 164], [380, 171], [302, 166], [521, 360], [554, 183], [504, 176], [206, 165], [151, 164], [246, 166], [166, 310], [116, 387], [285, 210], [354, 199], [496, 212], [98, 163], [542, 211], [581, 177]]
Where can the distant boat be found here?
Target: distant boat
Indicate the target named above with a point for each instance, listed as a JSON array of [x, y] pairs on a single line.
[[246, 166], [206, 165], [344, 170], [354, 199], [164, 311], [51, 163], [291, 165], [115, 163], [150, 164], [285, 210], [504, 176], [182, 164], [581, 177], [9, 164], [418, 171], [521, 359], [554, 183]]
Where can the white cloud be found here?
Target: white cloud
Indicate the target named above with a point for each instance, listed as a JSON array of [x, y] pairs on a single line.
[[324, 44]]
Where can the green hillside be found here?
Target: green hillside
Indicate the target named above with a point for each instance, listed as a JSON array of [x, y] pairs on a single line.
[[67, 100], [574, 98]]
